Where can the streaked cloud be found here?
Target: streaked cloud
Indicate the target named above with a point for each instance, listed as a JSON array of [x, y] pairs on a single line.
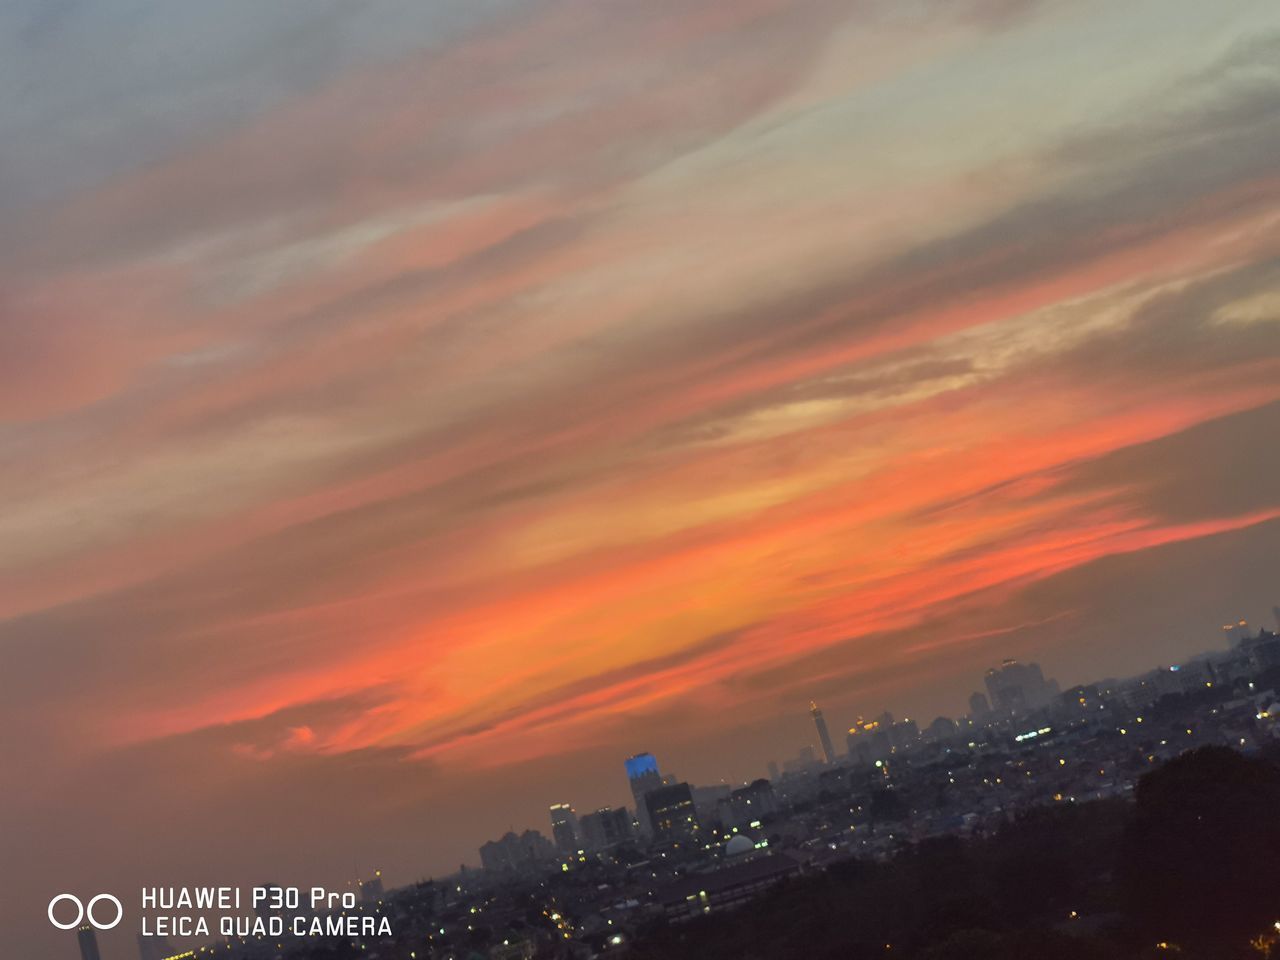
[[467, 391]]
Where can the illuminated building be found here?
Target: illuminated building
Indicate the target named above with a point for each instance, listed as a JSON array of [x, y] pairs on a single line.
[[88, 943], [869, 739], [904, 734], [564, 827], [724, 889], [1235, 633], [642, 773], [828, 751], [643, 776], [672, 814], [1083, 698], [748, 805]]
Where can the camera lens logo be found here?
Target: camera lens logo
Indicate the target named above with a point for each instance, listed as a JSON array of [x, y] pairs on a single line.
[[83, 912]]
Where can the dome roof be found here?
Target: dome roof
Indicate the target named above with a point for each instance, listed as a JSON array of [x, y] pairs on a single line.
[[739, 845]]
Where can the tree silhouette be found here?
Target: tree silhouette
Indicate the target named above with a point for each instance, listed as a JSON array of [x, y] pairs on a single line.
[[1199, 854]]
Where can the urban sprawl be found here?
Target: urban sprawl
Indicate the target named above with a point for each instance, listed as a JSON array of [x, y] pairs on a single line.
[[684, 850]]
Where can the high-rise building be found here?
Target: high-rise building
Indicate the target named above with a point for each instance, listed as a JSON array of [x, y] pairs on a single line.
[[672, 814], [979, 706], [706, 798], [870, 740], [88, 938], [748, 805], [803, 762], [858, 741], [1018, 687], [517, 853], [1264, 650], [942, 729], [774, 772], [643, 776], [642, 773], [607, 827], [1235, 633], [564, 827], [371, 890], [904, 734], [828, 751]]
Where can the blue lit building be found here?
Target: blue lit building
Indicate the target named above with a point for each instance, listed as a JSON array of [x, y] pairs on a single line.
[[644, 778]]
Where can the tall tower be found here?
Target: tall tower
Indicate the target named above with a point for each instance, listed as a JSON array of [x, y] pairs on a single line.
[[88, 943], [979, 705], [828, 752], [564, 827], [672, 813], [643, 777]]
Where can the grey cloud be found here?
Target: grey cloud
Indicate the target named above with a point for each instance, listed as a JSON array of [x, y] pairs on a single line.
[[1111, 206], [1225, 467], [1176, 334], [1169, 337], [629, 125], [96, 89], [1233, 98]]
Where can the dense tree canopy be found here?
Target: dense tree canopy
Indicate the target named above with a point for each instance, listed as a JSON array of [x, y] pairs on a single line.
[[1201, 850]]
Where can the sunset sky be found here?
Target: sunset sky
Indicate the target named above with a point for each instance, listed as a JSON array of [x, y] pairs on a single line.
[[409, 410]]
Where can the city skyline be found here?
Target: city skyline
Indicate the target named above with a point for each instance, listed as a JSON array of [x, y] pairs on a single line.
[[405, 414], [1002, 716], [737, 858]]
